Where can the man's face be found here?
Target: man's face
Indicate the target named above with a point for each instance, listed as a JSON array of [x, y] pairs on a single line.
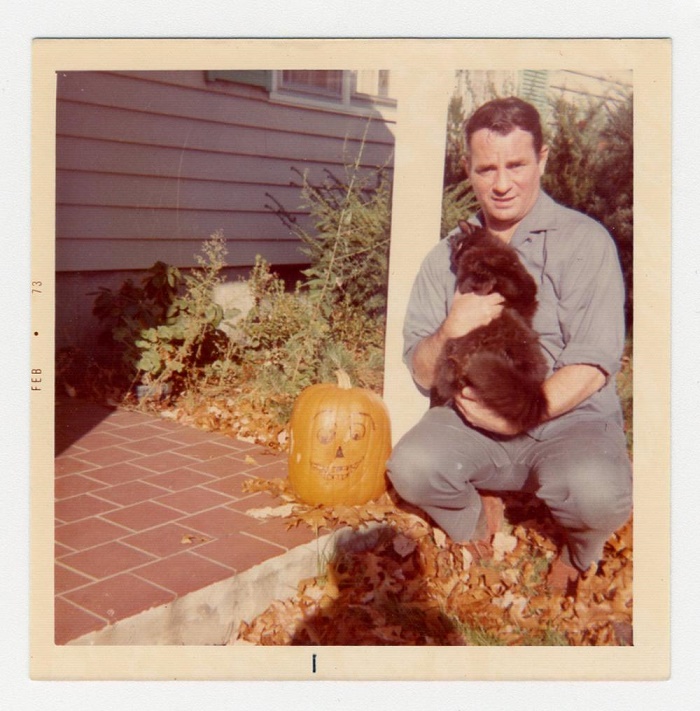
[[505, 173]]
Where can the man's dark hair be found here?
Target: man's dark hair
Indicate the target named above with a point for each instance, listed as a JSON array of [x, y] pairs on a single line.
[[504, 116]]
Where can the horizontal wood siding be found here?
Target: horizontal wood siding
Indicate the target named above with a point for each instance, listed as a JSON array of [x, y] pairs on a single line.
[[149, 164], [582, 86]]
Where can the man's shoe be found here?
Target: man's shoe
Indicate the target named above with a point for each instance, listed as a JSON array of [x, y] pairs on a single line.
[[562, 578]]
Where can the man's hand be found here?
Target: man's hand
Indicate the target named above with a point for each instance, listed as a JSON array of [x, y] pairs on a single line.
[[478, 415], [470, 311], [565, 389]]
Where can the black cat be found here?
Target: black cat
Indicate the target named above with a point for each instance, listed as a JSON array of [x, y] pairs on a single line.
[[502, 362]]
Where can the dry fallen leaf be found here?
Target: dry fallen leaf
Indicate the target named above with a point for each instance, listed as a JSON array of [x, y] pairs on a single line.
[[467, 558], [404, 546], [502, 544], [271, 512], [316, 518], [440, 537]]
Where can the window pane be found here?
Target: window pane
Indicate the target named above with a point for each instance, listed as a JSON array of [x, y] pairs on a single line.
[[326, 83]]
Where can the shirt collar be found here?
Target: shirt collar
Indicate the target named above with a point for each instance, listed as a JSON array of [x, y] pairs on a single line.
[[541, 218]]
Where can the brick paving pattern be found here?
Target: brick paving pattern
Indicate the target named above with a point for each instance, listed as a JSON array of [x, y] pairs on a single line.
[[148, 510]]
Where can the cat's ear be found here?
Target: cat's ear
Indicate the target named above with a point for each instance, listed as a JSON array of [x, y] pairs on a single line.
[[458, 242], [462, 239], [468, 228]]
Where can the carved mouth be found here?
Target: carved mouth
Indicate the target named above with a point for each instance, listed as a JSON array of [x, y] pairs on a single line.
[[335, 471]]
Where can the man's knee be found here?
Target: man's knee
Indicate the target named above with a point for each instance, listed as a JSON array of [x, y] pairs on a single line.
[[585, 477], [416, 461], [597, 493], [410, 470], [607, 501]]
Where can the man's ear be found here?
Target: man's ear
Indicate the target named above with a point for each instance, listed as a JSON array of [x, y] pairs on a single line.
[[464, 162], [542, 162]]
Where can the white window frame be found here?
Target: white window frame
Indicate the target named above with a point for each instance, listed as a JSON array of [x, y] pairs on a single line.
[[350, 101]]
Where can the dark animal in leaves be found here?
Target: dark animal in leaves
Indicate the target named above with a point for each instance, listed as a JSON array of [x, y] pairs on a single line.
[[502, 362]]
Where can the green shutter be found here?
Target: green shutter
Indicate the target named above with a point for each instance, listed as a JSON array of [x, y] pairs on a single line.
[[533, 87], [262, 77]]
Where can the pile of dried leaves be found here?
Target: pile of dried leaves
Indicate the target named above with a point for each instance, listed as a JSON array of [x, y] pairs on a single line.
[[232, 415], [400, 581]]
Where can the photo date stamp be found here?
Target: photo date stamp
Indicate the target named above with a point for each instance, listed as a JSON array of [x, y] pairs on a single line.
[[36, 374]]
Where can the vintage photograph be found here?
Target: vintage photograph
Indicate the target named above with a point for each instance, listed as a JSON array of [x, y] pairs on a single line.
[[343, 361]]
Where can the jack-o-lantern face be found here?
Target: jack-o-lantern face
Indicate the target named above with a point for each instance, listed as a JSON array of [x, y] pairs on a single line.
[[340, 441]]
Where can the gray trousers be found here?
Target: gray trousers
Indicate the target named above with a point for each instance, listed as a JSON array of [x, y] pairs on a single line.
[[581, 472]]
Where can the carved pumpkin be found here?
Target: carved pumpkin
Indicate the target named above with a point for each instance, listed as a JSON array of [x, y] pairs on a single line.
[[340, 441]]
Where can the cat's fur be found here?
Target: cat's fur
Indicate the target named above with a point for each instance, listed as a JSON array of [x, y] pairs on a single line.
[[502, 362]]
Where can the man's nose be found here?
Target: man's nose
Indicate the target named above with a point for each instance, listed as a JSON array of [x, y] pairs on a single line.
[[502, 181]]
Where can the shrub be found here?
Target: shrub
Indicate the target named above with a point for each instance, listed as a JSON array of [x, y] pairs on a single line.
[[336, 316], [188, 337], [129, 311], [347, 279], [458, 203], [590, 168], [166, 328], [455, 149]]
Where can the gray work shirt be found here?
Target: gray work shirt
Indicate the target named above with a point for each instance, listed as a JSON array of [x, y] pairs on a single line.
[[580, 317]]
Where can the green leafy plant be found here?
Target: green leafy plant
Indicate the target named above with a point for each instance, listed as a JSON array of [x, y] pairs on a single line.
[[166, 327], [335, 316], [285, 345], [132, 309], [189, 336], [458, 203], [282, 336], [570, 176], [349, 252], [346, 281]]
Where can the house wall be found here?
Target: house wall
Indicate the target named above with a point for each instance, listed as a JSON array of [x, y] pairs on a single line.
[[586, 86], [542, 87], [150, 164]]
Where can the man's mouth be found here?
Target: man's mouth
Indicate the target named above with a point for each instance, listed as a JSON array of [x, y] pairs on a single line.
[[503, 202]]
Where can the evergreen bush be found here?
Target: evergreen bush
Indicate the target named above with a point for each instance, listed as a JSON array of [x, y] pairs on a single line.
[[590, 168]]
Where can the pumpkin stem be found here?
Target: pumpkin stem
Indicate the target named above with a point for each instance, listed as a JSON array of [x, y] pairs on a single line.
[[343, 380]]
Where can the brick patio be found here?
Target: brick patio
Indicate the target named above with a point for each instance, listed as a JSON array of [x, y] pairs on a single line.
[[148, 510]]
